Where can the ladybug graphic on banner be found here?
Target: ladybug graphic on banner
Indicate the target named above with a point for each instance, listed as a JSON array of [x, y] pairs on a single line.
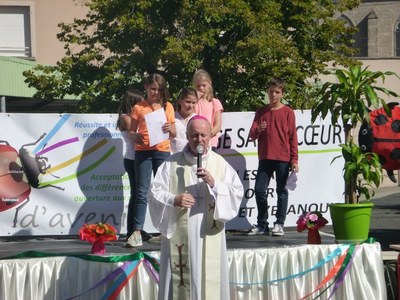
[[19, 171], [27, 168], [382, 136]]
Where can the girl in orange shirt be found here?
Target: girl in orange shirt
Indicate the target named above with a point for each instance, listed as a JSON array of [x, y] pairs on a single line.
[[149, 157]]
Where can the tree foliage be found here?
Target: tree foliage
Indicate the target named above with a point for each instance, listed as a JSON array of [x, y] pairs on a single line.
[[242, 44]]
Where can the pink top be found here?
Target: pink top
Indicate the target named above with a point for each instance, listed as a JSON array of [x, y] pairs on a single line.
[[208, 110]]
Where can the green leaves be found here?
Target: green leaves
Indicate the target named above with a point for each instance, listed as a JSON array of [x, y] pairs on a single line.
[[352, 97], [361, 171], [242, 44]]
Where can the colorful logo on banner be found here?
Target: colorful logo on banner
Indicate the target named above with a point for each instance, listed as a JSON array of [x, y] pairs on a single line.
[[24, 169]]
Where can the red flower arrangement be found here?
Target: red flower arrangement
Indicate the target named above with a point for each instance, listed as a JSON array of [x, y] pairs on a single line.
[[311, 220], [97, 234]]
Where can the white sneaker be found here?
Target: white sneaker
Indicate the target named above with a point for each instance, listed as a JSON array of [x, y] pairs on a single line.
[[278, 230], [134, 240], [255, 230]]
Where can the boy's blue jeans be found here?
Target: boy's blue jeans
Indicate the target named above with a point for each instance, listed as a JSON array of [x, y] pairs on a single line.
[[266, 169]]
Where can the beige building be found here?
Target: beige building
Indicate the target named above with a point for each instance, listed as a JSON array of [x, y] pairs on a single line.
[[28, 28], [378, 23], [378, 39], [28, 35]]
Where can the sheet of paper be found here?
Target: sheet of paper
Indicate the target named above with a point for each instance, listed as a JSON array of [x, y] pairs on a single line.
[[154, 121]]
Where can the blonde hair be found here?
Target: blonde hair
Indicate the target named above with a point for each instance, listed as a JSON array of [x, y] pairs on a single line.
[[203, 74]]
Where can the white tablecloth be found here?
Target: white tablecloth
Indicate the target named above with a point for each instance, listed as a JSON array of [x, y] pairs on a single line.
[[254, 274], [364, 280]]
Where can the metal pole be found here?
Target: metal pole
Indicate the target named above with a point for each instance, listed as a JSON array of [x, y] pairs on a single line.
[[3, 104]]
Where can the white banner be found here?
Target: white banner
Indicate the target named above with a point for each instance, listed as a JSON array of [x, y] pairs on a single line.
[[86, 182], [319, 181]]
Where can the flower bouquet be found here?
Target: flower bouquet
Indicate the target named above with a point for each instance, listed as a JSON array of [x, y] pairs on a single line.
[[312, 221], [97, 234]]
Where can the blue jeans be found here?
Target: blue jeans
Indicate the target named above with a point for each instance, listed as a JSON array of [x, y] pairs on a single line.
[[146, 162], [266, 169], [129, 166]]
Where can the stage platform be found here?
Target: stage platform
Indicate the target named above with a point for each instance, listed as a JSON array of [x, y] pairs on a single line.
[[261, 267], [385, 228], [285, 272], [10, 246]]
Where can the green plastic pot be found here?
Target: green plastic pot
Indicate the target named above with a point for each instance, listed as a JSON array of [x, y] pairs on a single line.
[[351, 222]]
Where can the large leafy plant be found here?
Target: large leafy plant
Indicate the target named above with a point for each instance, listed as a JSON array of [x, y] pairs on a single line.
[[349, 99]]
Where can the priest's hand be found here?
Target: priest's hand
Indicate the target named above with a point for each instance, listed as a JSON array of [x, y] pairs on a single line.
[[184, 200], [205, 176]]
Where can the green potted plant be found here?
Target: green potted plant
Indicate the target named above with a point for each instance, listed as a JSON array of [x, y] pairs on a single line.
[[350, 99]]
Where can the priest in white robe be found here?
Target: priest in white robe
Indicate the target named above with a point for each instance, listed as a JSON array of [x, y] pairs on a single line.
[[189, 205]]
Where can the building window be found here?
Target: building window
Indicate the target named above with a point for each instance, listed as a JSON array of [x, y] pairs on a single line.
[[397, 39], [361, 38], [15, 31]]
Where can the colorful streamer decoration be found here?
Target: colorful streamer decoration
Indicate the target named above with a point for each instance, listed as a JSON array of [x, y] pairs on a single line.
[[335, 276], [120, 276], [339, 250], [339, 270], [131, 262]]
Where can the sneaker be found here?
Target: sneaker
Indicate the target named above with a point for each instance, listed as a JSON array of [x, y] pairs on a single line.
[[278, 230], [134, 240], [145, 236], [156, 239], [255, 230]]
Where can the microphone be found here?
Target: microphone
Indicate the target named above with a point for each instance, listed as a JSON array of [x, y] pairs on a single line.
[[199, 150]]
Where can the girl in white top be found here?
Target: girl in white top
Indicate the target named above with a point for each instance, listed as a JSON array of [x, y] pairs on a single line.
[[130, 98], [185, 106]]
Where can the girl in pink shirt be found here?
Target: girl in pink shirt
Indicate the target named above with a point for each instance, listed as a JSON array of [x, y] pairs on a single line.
[[208, 106]]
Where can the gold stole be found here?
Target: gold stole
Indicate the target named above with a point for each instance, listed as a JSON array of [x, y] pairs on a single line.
[[180, 180]]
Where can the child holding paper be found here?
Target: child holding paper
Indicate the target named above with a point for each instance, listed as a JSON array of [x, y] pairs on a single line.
[[149, 157]]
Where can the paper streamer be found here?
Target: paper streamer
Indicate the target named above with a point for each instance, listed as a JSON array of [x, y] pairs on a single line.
[[122, 280], [345, 268], [125, 272], [152, 270], [108, 278], [332, 272], [340, 249]]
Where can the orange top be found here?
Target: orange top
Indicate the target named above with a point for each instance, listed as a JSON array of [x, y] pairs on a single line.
[[139, 111]]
